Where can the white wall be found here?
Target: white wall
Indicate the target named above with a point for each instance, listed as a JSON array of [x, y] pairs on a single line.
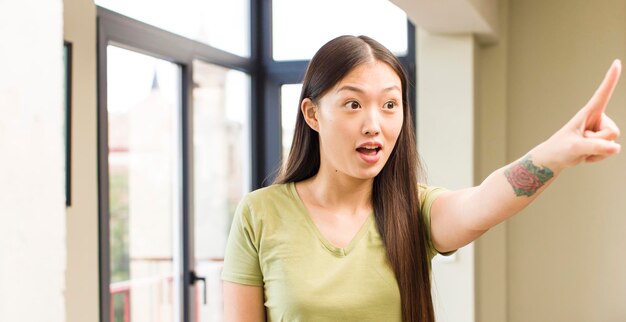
[[478, 17], [445, 91], [32, 200]]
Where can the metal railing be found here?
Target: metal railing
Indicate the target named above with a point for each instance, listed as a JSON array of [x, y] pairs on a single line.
[[124, 289]]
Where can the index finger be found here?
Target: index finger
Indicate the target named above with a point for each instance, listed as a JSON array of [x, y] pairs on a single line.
[[599, 100]]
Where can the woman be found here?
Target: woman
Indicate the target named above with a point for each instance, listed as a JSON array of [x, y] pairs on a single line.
[[346, 233]]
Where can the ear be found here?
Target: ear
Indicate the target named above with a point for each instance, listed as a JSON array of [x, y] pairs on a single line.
[[309, 111]]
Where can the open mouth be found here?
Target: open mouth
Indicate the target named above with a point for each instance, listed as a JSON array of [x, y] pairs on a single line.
[[369, 150]]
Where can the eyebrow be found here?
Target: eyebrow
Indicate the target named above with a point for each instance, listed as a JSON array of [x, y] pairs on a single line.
[[359, 90]]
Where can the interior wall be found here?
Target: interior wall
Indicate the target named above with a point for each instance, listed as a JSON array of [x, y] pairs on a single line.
[[82, 286], [564, 260], [32, 191], [490, 151], [445, 135]]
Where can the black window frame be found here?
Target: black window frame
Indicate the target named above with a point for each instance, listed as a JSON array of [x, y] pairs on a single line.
[[266, 75]]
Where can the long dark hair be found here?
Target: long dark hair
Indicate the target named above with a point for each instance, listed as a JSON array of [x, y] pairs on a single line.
[[394, 193]]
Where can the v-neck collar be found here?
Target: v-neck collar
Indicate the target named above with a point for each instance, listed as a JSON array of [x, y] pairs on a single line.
[[328, 245]]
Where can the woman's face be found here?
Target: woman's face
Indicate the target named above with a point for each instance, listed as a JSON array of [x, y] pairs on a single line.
[[358, 120]]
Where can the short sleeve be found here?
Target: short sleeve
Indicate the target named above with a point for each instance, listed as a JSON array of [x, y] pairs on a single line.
[[427, 196], [241, 261]]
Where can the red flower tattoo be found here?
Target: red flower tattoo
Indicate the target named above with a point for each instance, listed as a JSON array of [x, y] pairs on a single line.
[[526, 178]]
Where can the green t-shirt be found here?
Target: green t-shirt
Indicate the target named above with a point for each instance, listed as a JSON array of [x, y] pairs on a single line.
[[275, 244]]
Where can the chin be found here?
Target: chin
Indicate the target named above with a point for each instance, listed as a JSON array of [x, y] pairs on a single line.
[[369, 173], [365, 177]]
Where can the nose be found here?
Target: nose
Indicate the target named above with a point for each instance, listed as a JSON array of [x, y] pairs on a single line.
[[371, 124]]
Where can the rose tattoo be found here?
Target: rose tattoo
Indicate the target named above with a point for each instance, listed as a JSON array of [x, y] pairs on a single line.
[[526, 178]]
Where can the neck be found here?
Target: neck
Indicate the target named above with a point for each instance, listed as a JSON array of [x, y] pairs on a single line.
[[334, 190]]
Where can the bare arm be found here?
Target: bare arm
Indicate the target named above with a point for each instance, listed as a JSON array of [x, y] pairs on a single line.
[[459, 217], [243, 303]]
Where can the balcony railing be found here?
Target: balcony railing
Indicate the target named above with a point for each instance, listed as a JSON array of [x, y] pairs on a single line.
[[162, 286], [124, 289]]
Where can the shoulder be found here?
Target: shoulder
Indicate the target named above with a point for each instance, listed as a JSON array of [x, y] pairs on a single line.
[[428, 192], [268, 195], [427, 196], [267, 201]]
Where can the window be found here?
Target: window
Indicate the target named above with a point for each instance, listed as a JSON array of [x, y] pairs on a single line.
[[301, 27], [221, 133], [201, 20], [144, 185], [174, 144], [289, 107]]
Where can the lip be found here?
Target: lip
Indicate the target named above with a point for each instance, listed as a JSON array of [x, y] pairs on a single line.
[[371, 143], [370, 158]]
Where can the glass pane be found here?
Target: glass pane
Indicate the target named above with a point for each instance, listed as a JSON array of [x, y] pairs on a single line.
[[144, 186], [289, 109], [221, 132], [221, 24], [297, 37]]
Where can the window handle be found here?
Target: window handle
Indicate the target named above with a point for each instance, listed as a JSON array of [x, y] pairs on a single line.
[[194, 278]]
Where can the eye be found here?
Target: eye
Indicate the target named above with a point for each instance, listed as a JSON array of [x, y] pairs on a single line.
[[353, 105], [390, 105]]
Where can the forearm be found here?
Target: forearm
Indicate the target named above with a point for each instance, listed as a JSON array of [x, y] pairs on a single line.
[[509, 189], [464, 215]]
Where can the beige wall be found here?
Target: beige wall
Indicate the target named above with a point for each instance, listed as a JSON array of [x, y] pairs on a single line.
[[557, 260], [564, 260], [490, 153], [82, 217]]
